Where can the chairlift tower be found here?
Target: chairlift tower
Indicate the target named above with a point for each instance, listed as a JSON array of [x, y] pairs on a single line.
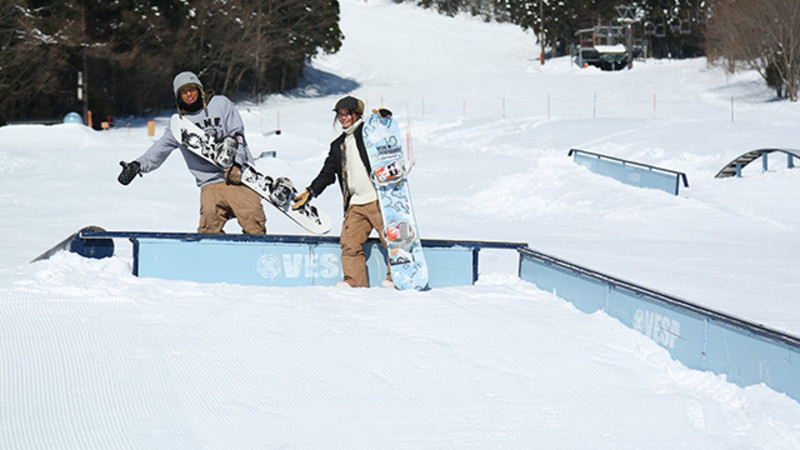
[[627, 16]]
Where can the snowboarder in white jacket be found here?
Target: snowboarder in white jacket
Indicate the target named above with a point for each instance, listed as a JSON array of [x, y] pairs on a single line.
[[222, 195], [348, 162]]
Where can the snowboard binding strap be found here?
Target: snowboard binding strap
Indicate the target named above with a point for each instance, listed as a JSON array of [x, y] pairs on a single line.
[[388, 174], [401, 234]]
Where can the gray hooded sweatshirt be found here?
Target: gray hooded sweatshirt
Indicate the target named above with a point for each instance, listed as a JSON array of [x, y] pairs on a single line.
[[219, 119]]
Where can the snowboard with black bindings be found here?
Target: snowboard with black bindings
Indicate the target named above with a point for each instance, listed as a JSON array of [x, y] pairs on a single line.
[[389, 176], [277, 191]]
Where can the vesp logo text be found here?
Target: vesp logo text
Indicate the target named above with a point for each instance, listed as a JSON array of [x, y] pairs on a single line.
[[297, 265], [661, 329]]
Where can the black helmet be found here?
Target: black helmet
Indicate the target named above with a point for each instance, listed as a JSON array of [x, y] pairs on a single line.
[[350, 103]]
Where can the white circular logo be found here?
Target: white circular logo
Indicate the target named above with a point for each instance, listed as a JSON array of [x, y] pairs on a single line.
[[269, 266]]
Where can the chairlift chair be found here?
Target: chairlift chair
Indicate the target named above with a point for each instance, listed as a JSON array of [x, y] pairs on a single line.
[[660, 30], [701, 16], [686, 25], [675, 25]]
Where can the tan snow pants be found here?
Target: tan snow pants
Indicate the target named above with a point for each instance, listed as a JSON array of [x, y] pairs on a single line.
[[359, 221], [220, 202]]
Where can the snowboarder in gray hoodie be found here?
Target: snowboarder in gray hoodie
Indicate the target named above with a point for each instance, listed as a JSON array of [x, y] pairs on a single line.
[[222, 194]]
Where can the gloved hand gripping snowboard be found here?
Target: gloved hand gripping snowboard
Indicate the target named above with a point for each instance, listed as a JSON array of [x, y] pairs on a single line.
[[277, 191]]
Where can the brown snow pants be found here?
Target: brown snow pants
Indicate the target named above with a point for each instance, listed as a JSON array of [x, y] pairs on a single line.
[[220, 202], [359, 221]]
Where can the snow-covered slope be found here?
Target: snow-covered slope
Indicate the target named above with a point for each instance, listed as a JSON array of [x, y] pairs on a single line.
[[93, 357]]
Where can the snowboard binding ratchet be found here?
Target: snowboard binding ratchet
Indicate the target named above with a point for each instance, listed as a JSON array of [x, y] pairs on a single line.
[[401, 234], [389, 174]]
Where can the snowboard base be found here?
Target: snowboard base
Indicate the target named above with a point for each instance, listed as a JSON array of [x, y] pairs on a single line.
[[277, 191]]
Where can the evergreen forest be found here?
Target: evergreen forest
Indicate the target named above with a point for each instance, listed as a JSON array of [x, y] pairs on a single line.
[[118, 58], [124, 53]]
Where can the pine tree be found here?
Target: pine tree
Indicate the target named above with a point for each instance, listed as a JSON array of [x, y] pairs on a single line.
[[129, 50]]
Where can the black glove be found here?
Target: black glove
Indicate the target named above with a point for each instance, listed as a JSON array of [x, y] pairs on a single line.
[[129, 172]]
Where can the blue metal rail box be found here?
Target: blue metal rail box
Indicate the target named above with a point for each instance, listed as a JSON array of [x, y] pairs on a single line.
[[283, 260], [630, 172], [699, 337]]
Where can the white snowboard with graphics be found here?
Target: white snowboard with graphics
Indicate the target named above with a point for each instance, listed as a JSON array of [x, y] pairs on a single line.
[[406, 260], [279, 192]]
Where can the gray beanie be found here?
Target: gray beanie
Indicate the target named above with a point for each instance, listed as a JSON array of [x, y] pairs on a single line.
[[184, 78]]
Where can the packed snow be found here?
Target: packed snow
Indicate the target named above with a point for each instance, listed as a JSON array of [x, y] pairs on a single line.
[[93, 357]]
